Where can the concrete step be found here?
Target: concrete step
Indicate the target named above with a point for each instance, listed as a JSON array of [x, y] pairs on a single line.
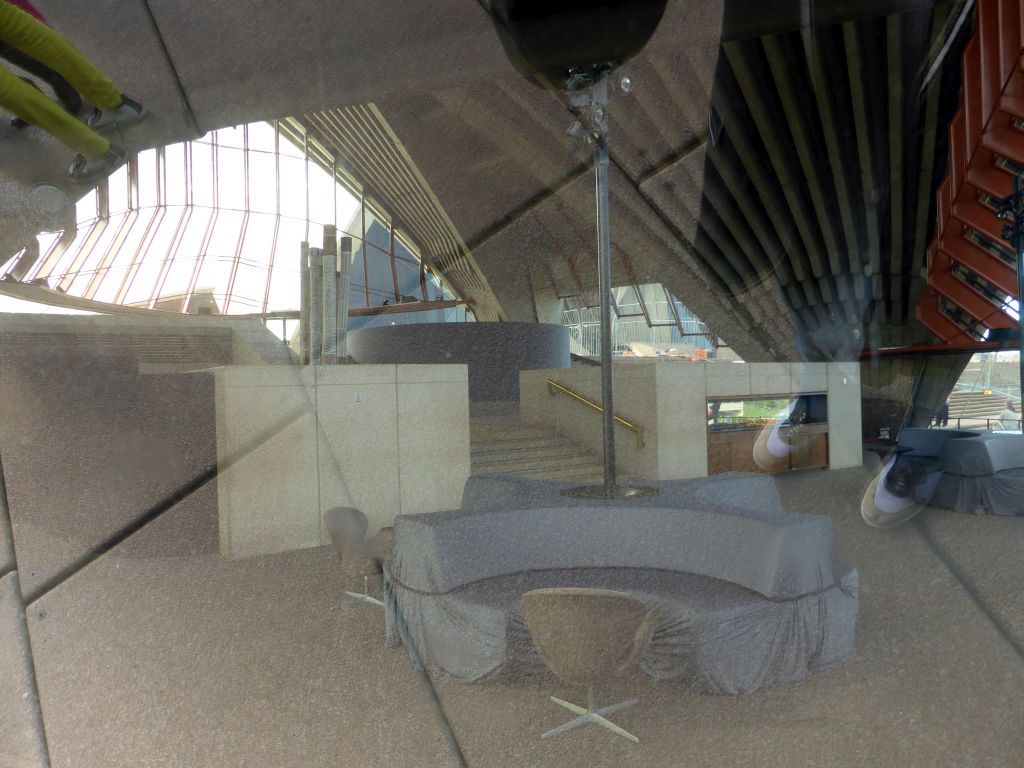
[[541, 463], [500, 443], [546, 446], [502, 431], [581, 475]]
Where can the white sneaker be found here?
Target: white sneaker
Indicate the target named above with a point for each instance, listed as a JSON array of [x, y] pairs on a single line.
[[775, 442], [126, 114], [897, 494], [84, 169]]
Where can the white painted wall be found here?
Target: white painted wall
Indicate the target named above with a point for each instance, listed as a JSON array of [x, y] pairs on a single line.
[[668, 400], [386, 439]]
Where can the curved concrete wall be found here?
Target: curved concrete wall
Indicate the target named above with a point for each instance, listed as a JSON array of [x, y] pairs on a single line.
[[495, 353]]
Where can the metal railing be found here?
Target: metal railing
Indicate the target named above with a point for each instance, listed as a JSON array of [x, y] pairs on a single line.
[[555, 388], [974, 422]]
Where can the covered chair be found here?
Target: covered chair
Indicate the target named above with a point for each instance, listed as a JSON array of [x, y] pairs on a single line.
[[584, 636]]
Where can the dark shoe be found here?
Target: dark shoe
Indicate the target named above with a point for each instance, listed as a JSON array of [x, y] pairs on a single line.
[[901, 490], [126, 114], [85, 169]]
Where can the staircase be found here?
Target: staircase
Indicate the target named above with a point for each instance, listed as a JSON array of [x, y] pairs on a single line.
[[971, 268], [977, 405], [500, 443]]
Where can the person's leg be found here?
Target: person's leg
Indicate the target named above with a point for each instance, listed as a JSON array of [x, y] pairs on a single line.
[[66, 94], [35, 39], [33, 107]]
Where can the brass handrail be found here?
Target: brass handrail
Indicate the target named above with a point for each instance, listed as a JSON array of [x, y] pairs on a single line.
[[554, 388]]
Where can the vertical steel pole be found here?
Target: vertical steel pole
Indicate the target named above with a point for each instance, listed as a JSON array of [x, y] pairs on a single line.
[[1018, 245], [604, 262], [304, 305]]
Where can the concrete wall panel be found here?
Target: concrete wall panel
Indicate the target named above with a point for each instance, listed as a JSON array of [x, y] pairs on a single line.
[[385, 439], [495, 353]]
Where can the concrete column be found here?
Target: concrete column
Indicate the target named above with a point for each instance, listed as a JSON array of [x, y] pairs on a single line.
[[329, 337], [344, 281], [316, 304]]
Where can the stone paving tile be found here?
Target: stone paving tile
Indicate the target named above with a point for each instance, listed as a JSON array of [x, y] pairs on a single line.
[[21, 744], [165, 658]]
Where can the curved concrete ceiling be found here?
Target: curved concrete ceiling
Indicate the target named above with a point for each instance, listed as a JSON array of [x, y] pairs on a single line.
[[760, 214]]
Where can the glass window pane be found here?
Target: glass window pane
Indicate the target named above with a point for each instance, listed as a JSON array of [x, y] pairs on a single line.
[[174, 164], [178, 276], [290, 149], [284, 279], [261, 137], [202, 174], [226, 232], [259, 239], [293, 187], [148, 180], [143, 283], [85, 209], [315, 235], [378, 232], [95, 255], [214, 275], [231, 178], [117, 186], [47, 240], [321, 195], [62, 264], [248, 289], [262, 182], [110, 279], [347, 213], [231, 137], [434, 290], [356, 297], [408, 279]]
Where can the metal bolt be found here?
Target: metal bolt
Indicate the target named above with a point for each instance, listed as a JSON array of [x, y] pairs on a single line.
[[626, 84]]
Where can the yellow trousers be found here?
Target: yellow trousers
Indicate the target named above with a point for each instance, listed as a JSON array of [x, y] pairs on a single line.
[[32, 37]]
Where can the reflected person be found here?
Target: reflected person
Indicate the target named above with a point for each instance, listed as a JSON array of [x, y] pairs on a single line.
[[97, 156], [1010, 418], [68, 97]]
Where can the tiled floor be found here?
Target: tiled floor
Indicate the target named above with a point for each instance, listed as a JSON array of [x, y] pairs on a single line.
[[157, 658]]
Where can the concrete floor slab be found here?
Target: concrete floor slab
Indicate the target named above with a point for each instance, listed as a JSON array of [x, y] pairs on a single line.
[[987, 551], [90, 447], [21, 744], [163, 653], [152, 657], [933, 683]]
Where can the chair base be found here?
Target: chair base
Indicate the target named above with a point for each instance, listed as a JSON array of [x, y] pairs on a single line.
[[595, 716], [364, 596]]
